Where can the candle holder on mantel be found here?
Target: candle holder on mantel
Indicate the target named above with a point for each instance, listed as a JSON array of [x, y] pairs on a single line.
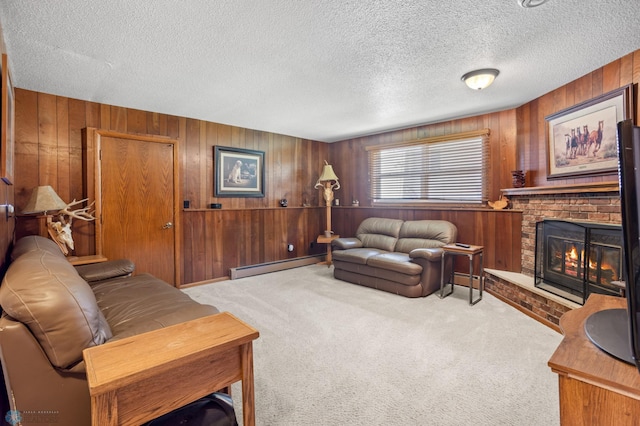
[[518, 178]]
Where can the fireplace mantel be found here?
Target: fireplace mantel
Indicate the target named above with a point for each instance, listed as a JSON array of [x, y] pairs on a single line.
[[580, 188]]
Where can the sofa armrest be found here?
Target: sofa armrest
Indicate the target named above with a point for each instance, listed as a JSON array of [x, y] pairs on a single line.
[[430, 254], [105, 270], [346, 243]]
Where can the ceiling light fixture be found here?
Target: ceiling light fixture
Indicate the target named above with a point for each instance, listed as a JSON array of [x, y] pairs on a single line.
[[480, 79], [527, 4]]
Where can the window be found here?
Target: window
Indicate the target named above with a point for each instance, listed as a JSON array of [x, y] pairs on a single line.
[[451, 168]]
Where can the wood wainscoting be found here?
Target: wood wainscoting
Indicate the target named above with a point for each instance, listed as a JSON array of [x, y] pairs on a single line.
[[499, 231], [217, 240]]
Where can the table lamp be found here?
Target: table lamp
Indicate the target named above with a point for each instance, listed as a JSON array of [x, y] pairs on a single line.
[[43, 200]]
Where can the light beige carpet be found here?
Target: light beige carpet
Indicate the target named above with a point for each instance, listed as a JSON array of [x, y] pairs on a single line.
[[334, 353]]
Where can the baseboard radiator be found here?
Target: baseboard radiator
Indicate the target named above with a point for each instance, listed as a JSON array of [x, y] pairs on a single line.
[[280, 265]]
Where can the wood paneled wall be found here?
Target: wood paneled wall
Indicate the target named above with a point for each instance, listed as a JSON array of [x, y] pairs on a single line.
[[518, 141], [497, 231], [49, 152], [349, 157], [216, 240], [7, 225], [531, 146]]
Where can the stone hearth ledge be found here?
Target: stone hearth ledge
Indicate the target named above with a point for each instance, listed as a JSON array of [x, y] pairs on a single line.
[[519, 291]]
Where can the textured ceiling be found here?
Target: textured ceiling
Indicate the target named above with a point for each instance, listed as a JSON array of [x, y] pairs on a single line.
[[324, 70]]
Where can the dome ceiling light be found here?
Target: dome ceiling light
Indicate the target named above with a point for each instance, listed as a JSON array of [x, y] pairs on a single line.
[[527, 4], [480, 79]]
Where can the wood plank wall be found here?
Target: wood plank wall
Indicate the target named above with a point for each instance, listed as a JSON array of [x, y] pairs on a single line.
[[7, 224], [518, 141], [497, 231], [216, 240], [475, 226], [49, 152], [531, 146], [349, 157]]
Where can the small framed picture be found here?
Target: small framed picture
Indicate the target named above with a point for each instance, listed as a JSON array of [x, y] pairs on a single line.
[[238, 172]]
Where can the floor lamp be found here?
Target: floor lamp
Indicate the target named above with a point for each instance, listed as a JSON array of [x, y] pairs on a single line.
[[329, 182]]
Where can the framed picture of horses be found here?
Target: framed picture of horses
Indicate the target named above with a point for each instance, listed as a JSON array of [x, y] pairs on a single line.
[[238, 172], [581, 140]]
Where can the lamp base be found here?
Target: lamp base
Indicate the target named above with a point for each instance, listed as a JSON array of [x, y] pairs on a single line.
[[43, 224]]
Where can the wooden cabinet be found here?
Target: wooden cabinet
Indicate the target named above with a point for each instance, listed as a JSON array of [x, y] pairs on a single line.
[[595, 388]]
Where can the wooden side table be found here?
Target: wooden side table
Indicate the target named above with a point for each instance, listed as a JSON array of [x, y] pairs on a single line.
[[327, 240], [470, 251], [140, 378], [86, 260]]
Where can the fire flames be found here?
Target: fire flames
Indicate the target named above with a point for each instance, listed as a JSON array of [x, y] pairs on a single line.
[[608, 272], [571, 259]]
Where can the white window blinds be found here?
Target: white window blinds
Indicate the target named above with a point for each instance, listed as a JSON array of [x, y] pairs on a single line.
[[453, 168]]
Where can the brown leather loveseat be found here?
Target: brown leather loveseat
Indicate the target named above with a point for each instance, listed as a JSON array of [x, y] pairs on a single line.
[[402, 257], [52, 311]]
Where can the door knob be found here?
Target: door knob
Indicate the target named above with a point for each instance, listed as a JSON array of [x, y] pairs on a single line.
[[167, 225]]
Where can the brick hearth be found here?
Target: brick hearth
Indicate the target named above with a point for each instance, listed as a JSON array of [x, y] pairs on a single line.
[[518, 291]]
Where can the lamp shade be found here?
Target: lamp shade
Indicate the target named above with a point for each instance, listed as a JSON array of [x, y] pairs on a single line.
[[480, 79], [44, 199], [327, 173]]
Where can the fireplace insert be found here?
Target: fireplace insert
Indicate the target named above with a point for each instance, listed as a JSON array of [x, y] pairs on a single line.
[[575, 259]]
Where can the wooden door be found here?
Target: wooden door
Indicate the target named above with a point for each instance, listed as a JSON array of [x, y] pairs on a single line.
[[135, 177]]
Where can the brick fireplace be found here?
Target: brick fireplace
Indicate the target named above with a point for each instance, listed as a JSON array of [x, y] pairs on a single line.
[[598, 203], [602, 207]]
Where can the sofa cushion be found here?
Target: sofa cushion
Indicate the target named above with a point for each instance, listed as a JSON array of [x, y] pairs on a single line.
[[398, 262], [142, 303], [370, 275], [425, 234], [43, 291], [379, 233], [356, 255]]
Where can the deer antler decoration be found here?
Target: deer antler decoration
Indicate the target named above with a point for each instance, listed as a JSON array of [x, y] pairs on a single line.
[[60, 231]]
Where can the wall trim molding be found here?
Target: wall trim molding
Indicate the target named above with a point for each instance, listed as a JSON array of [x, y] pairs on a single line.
[[580, 188]]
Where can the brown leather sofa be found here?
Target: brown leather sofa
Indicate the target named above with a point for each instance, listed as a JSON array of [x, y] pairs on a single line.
[[53, 311], [401, 257]]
